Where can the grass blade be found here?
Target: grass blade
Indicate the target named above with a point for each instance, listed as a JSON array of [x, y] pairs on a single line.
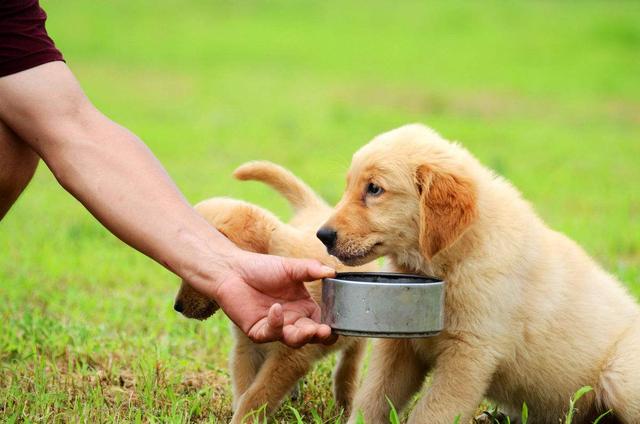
[[574, 399], [316, 416], [297, 415], [393, 414], [602, 416], [581, 392]]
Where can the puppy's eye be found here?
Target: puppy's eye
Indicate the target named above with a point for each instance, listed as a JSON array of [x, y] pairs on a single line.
[[374, 190]]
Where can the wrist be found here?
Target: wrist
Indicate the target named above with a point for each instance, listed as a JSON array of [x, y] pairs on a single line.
[[207, 262]]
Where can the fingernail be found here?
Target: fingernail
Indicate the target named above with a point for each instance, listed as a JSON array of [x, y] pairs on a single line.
[[327, 270]]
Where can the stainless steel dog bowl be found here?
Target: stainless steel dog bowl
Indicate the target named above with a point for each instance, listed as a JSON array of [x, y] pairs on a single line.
[[383, 304]]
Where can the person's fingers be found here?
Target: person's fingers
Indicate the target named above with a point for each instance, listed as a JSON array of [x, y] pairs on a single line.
[[324, 335], [271, 329], [299, 270], [275, 318], [300, 333], [326, 341], [331, 340]]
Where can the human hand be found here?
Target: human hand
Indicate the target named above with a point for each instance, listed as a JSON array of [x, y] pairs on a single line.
[[265, 297]]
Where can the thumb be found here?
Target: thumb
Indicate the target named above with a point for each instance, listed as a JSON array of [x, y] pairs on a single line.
[[299, 270]]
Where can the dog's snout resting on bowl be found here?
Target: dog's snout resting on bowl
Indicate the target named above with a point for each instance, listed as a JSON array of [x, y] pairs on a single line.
[[264, 374], [529, 316]]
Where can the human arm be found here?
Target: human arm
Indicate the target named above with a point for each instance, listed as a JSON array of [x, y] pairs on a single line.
[[124, 186]]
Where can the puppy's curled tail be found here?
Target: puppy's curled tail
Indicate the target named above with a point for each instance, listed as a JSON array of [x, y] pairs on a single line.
[[299, 194]]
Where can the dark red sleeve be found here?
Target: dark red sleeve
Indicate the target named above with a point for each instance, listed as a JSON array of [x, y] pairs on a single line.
[[24, 42]]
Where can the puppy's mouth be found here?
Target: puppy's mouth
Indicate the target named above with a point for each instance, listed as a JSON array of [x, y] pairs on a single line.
[[359, 257]]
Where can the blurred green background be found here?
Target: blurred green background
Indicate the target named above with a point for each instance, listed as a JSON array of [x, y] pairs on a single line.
[[546, 93]]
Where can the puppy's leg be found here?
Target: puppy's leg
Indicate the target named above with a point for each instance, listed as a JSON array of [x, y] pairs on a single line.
[[460, 378], [345, 375], [245, 362], [619, 385], [277, 376], [395, 372]]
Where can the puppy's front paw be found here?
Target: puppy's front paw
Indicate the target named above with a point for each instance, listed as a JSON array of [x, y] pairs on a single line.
[[493, 417], [296, 392]]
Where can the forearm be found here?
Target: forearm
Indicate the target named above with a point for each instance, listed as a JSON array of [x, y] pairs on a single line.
[[121, 183], [110, 171]]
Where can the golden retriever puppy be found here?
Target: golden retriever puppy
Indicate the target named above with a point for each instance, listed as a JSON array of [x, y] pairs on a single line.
[[529, 316], [263, 374]]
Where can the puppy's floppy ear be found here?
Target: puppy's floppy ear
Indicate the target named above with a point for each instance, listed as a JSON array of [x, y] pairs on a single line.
[[447, 208]]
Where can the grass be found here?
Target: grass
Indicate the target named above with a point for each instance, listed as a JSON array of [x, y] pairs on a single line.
[[544, 92]]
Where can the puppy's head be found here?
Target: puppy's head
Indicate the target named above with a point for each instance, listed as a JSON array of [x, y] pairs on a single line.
[[192, 304], [407, 189], [248, 226]]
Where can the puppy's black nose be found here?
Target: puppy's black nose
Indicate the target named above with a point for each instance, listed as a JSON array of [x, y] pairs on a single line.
[[327, 236], [178, 306]]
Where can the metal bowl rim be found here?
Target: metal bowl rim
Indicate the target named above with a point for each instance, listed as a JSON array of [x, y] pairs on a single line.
[[419, 280]]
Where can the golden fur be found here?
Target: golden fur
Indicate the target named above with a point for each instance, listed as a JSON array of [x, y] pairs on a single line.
[[529, 316], [266, 373]]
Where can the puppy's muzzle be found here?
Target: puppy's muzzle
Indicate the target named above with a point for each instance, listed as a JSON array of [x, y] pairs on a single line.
[[327, 236], [178, 306]]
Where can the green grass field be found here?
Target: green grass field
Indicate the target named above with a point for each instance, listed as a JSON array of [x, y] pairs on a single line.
[[546, 93]]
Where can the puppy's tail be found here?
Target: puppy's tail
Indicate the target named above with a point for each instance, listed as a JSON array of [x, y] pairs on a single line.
[[299, 194]]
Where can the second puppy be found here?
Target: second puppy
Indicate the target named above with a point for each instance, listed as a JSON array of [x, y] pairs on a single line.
[[264, 374]]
